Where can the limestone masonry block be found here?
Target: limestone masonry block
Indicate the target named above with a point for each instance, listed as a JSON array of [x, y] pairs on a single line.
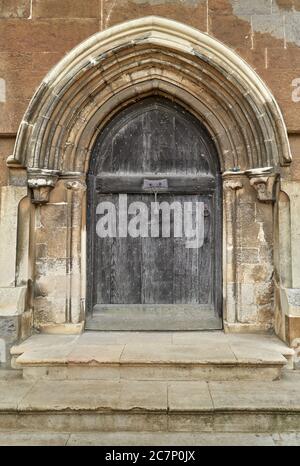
[[12, 301], [10, 198]]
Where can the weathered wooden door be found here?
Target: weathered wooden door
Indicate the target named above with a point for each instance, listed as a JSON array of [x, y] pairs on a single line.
[[154, 222]]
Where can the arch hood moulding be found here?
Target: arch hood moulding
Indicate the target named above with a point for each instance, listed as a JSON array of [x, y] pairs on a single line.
[[150, 56]]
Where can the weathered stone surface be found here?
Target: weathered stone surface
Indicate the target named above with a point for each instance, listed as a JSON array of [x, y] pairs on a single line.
[[12, 391], [54, 35], [284, 394], [12, 300], [65, 9], [15, 9], [93, 407], [95, 354], [198, 396], [6, 149], [231, 30], [190, 12], [167, 439], [127, 356], [94, 395], [10, 198], [294, 140], [9, 328], [33, 439]]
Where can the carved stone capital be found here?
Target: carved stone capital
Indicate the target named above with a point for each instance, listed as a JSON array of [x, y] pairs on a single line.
[[234, 185], [41, 182], [263, 180], [232, 181]]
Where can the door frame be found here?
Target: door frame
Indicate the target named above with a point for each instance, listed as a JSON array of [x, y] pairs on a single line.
[[217, 201]]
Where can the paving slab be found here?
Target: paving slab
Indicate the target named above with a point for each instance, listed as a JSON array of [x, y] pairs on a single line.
[[122, 338], [89, 354], [189, 396], [32, 439], [139, 395], [44, 356], [287, 439], [169, 439], [258, 395], [170, 354], [71, 395], [199, 338], [12, 391], [95, 395], [37, 342]]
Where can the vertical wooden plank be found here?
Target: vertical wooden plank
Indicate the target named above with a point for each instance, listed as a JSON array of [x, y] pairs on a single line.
[[186, 266], [206, 266], [157, 265], [126, 267], [102, 257]]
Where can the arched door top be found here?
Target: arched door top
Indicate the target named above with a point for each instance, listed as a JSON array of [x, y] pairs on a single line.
[[151, 56], [125, 142]]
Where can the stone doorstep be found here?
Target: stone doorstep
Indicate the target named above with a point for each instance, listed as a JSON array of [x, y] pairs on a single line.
[[132, 355], [146, 439], [103, 406]]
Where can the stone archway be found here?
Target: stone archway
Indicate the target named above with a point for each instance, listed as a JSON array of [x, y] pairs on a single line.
[[107, 72]]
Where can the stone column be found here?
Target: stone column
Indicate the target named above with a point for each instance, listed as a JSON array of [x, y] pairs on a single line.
[[231, 185], [289, 280], [248, 250], [75, 270], [13, 293], [58, 299]]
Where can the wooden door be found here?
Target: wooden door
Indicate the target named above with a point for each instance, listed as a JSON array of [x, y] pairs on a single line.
[[154, 222]]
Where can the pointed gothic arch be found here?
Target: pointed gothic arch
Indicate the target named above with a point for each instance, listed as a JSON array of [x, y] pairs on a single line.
[[145, 57]]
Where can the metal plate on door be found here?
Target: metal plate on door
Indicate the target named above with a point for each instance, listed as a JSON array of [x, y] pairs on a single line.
[[155, 184]]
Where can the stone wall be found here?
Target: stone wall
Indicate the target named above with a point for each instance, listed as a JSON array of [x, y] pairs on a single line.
[[36, 34]]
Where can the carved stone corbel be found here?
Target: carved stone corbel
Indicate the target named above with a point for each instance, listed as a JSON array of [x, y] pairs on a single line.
[[41, 182], [232, 184], [263, 180]]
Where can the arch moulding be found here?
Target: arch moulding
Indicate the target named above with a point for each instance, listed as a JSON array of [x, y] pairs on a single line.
[[144, 57]]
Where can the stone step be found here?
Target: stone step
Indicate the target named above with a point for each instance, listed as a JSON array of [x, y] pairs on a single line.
[[152, 356], [145, 406], [180, 439]]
